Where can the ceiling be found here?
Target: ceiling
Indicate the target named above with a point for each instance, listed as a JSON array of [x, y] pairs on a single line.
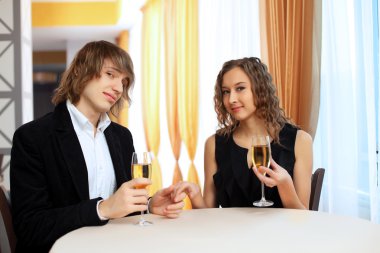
[[51, 39], [80, 20]]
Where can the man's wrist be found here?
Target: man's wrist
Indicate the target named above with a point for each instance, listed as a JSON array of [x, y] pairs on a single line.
[[98, 212]]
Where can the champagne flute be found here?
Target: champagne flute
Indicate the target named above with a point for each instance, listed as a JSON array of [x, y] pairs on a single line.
[[141, 167], [261, 154]]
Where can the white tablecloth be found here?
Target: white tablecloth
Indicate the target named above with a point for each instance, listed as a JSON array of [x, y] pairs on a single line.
[[229, 230]]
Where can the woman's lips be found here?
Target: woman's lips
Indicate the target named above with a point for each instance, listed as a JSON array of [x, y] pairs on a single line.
[[235, 109]]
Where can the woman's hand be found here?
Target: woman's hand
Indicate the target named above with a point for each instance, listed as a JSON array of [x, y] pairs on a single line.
[[278, 176], [192, 190], [163, 204]]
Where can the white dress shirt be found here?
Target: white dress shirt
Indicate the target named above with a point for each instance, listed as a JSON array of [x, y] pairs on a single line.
[[101, 174]]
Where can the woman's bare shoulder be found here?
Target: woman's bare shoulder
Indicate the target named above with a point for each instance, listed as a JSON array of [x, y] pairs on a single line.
[[210, 141], [303, 137]]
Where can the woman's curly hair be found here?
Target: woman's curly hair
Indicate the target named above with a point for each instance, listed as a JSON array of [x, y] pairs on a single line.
[[264, 93], [88, 64]]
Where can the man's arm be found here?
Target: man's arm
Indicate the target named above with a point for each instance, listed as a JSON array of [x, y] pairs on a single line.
[[38, 218]]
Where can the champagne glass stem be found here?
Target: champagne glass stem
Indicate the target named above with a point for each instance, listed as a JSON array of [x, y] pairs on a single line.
[[262, 192], [142, 218]]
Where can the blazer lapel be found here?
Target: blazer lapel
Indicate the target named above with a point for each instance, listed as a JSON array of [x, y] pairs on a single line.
[[71, 150], [116, 152]]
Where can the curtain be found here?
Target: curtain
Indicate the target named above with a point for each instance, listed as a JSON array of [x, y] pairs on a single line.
[[345, 142], [229, 30], [290, 36], [187, 76], [375, 205], [171, 88], [222, 37], [150, 90]]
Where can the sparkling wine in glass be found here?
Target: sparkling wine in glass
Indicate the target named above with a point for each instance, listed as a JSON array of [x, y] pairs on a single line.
[[261, 154], [141, 167]]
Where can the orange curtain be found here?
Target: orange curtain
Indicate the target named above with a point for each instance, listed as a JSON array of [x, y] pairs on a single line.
[[171, 88], [291, 47], [187, 75], [151, 68]]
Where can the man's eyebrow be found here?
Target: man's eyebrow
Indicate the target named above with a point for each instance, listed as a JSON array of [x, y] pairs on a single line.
[[113, 68]]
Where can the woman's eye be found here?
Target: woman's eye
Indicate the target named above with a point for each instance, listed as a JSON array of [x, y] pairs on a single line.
[[225, 92], [110, 74], [240, 88]]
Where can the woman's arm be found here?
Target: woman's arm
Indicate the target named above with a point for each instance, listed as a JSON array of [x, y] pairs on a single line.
[[293, 193], [210, 167], [303, 167], [192, 190]]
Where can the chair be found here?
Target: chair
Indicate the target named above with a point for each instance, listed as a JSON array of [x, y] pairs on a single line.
[[1, 163], [316, 188]]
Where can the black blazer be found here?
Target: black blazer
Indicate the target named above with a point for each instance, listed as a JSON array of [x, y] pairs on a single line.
[[49, 181]]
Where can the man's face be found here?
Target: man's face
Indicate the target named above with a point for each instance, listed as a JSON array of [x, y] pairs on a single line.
[[101, 93]]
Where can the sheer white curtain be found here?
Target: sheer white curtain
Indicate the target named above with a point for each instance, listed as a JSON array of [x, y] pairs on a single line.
[[228, 29], [345, 143], [376, 205]]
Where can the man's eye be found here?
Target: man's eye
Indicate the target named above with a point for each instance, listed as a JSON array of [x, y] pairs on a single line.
[[110, 74]]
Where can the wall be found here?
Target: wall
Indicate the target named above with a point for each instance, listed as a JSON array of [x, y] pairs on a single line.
[[16, 93]]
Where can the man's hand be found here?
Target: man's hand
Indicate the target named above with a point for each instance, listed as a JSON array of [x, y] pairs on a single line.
[[126, 200]]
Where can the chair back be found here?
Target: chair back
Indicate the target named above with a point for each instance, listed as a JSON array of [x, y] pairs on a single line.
[[1, 169], [316, 188], [7, 235]]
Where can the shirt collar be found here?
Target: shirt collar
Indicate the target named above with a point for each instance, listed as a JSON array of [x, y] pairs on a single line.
[[104, 122], [80, 121]]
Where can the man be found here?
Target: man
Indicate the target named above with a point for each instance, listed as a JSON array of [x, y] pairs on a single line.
[[71, 168]]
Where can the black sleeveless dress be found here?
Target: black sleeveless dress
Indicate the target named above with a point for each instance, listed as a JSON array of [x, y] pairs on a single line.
[[237, 185]]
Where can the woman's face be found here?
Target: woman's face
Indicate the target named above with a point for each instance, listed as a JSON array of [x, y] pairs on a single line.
[[237, 94]]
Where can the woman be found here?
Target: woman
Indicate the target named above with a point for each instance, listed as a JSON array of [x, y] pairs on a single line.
[[246, 104]]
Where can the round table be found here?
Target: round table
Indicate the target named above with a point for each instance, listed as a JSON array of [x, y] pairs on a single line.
[[229, 230]]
